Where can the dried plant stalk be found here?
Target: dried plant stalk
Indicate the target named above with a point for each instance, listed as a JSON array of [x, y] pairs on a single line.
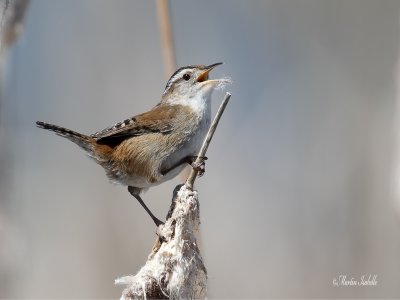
[[167, 41]]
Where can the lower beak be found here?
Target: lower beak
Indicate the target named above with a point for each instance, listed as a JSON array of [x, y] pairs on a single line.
[[204, 76]]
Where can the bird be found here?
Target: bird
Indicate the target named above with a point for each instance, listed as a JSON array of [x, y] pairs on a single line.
[[152, 147]]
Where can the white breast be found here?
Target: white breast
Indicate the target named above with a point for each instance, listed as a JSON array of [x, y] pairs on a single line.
[[195, 140], [201, 106]]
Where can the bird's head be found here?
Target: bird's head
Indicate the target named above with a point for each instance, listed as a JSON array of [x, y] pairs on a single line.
[[191, 82]]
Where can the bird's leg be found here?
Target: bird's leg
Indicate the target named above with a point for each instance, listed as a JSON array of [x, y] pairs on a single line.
[[191, 160], [135, 193]]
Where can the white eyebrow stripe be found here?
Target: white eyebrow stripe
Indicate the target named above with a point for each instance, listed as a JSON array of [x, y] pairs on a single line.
[[175, 78]]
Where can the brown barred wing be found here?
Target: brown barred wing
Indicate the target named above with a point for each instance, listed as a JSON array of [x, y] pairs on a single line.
[[158, 120]]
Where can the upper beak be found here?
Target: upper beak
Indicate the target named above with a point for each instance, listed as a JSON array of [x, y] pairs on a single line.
[[204, 76]]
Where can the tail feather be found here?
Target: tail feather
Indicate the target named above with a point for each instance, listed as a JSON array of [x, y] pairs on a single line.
[[83, 141]]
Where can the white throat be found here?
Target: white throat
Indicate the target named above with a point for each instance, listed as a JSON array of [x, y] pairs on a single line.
[[200, 104]]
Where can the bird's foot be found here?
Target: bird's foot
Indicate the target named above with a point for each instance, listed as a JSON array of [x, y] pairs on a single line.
[[199, 166]]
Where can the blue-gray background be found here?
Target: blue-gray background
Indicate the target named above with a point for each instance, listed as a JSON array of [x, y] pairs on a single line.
[[297, 185]]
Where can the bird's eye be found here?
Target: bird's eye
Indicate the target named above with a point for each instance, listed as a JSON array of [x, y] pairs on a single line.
[[186, 76]]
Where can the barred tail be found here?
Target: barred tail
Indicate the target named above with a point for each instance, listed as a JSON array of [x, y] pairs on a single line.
[[83, 141]]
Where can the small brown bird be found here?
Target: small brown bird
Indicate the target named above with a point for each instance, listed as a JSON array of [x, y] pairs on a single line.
[[153, 147]]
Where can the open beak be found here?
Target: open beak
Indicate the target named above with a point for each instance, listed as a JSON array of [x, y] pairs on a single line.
[[204, 76]]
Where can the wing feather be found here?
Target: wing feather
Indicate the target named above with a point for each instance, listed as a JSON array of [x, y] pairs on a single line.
[[158, 120]]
